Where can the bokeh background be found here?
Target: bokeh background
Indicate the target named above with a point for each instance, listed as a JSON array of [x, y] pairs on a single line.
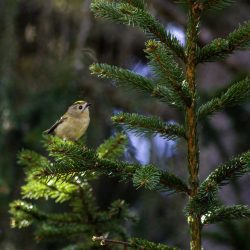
[[45, 50]]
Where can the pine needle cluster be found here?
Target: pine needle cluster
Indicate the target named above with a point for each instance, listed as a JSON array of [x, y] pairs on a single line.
[[54, 178]]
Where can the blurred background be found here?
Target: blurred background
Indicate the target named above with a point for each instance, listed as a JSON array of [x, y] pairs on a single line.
[[45, 50]]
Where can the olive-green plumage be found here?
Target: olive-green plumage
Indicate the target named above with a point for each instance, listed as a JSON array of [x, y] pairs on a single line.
[[74, 123]]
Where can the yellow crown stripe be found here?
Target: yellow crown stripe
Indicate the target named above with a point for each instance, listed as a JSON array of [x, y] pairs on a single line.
[[79, 102]]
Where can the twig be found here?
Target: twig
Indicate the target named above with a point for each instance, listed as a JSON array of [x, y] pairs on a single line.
[[104, 241]]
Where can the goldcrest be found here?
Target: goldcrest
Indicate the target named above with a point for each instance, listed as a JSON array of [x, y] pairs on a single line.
[[74, 123]]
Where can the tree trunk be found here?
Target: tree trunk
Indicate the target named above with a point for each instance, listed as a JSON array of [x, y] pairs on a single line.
[[191, 122]]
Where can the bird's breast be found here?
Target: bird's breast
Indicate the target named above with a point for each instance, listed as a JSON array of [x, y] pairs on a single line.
[[73, 128]]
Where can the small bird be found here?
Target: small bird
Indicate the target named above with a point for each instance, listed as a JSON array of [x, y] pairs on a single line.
[[74, 123]]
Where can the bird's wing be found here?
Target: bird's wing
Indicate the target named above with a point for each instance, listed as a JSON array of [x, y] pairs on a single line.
[[54, 126]]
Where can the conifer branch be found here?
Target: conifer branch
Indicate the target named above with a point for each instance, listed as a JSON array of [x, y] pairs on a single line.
[[128, 14], [167, 95], [78, 192], [237, 93], [236, 167], [112, 148], [32, 160], [140, 124], [217, 50], [105, 241], [147, 177], [240, 38], [203, 202], [131, 15], [68, 230], [167, 70], [127, 78], [159, 181], [174, 183], [225, 213], [72, 160], [135, 243], [118, 211], [80, 160], [69, 224], [123, 77], [83, 202], [220, 48], [24, 214], [206, 5], [61, 191], [152, 178], [215, 4], [206, 198], [138, 243], [136, 3]]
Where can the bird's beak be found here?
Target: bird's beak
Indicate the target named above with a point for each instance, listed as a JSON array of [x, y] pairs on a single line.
[[87, 105]]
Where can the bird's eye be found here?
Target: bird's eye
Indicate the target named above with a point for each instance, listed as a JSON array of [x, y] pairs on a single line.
[[80, 107]]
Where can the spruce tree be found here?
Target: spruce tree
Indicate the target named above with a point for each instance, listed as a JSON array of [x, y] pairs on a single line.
[[65, 174]]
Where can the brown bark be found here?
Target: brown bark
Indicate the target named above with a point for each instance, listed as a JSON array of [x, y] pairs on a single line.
[[191, 122]]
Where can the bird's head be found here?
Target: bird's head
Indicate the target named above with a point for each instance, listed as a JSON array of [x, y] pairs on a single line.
[[78, 108]]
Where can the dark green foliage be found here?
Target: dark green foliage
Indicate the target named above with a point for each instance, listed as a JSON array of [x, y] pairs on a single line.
[[24, 213], [215, 4], [148, 177], [134, 243], [240, 38], [64, 178], [140, 124], [167, 71], [123, 77], [32, 160], [220, 48], [112, 148], [174, 183], [224, 213], [236, 167], [235, 94], [163, 63], [217, 50], [67, 231], [73, 160], [83, 161], [83, 218], [205, 5], [137, 243], [72, 226], [152, 178], [55, 189], [166, 95], [129, 79], [128, 14], [206, 199], [136, 3]]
